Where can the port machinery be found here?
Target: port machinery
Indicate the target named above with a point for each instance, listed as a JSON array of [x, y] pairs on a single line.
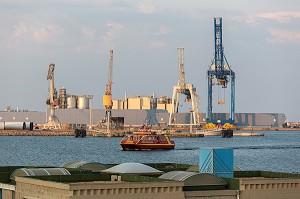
[[220, 74], [189, 91], [52, 101], [107, 97]]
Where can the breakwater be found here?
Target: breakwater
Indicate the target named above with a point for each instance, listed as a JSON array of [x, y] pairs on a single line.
[[102, 134]]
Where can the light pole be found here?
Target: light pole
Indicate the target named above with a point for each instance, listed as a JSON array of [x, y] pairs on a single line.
[[191, 120]]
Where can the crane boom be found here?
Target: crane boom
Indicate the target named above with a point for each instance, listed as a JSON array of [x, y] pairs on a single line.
[[110, 72], [107, 97], [181, 79]]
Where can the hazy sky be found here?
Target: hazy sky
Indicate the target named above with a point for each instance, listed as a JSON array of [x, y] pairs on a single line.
[[261, 40]]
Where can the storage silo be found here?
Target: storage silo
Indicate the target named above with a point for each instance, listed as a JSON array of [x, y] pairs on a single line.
[[71, 102], [63, 98], [83, 102]]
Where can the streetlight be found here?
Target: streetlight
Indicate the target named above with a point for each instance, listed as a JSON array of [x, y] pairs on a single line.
[[191, 120]]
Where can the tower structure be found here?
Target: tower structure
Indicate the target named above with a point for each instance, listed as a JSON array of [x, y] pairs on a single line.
[[52, 101], [186, 89], [220, 74], [107, 97]]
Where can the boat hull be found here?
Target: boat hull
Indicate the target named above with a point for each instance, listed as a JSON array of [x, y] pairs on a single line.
[[147, 146], [146, 140]]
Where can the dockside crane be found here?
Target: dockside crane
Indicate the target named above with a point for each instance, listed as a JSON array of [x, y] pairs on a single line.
[[107, 97], [52, 101], [186, 89], [220, 74]]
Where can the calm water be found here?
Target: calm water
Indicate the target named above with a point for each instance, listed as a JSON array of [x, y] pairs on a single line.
[[276, 151]]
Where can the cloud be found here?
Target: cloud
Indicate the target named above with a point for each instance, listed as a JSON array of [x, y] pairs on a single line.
[[20, 30], [283, 32], [163, 30], [158, 44], [283, 36], [89, 2], [38, 34], [146, 6], [47, 33], [280, 17], [113, 32], [88, 32]]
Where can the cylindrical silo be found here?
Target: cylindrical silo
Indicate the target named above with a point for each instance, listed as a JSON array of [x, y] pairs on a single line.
[[2, 125], [14, 126], [71, 102], [83, 102], [63, 98]]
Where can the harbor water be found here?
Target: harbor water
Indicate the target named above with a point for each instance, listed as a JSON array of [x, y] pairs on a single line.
[[275, 151]]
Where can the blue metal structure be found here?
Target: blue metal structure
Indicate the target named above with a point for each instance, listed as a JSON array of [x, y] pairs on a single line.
[[220, 70], [217, 161]]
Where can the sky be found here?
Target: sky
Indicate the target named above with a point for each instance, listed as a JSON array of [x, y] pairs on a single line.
[[261, 41]]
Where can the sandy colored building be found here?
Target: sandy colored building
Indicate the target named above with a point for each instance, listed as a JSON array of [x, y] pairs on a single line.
[[85, 184]]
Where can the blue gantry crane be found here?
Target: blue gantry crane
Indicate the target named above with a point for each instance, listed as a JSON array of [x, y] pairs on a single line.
[[220, 74]]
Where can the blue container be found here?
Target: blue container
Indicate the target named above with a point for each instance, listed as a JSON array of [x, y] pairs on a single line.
[[217, 161]]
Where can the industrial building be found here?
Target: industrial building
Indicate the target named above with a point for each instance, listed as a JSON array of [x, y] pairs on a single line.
[[77, 110], [178, 181], [136, 117]]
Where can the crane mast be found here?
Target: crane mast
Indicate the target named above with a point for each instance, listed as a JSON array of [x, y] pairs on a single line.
[[188, 90], [109, 79], [220, 69], [53, 121], [107, 97], [219, 53]]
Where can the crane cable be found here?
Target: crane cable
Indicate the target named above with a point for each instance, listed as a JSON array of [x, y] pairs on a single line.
[[220, 101]]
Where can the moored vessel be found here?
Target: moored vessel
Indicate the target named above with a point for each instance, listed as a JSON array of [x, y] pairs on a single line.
[[145, 138]]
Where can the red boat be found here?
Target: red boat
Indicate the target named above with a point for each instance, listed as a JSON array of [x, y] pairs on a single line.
[[146, 140]]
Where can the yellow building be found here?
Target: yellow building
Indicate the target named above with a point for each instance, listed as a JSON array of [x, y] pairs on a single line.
[[144, 103]]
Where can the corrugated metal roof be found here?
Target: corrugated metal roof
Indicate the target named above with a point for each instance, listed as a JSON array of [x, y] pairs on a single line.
[[177, 175], [193, 178], [39, 172], [82, 164]]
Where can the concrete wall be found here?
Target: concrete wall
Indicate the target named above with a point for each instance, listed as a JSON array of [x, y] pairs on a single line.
[[268, 188], [137, 117], [125, 190], [250, 188], [215, 194], [30, 116], [33, 188], [8, 194]]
